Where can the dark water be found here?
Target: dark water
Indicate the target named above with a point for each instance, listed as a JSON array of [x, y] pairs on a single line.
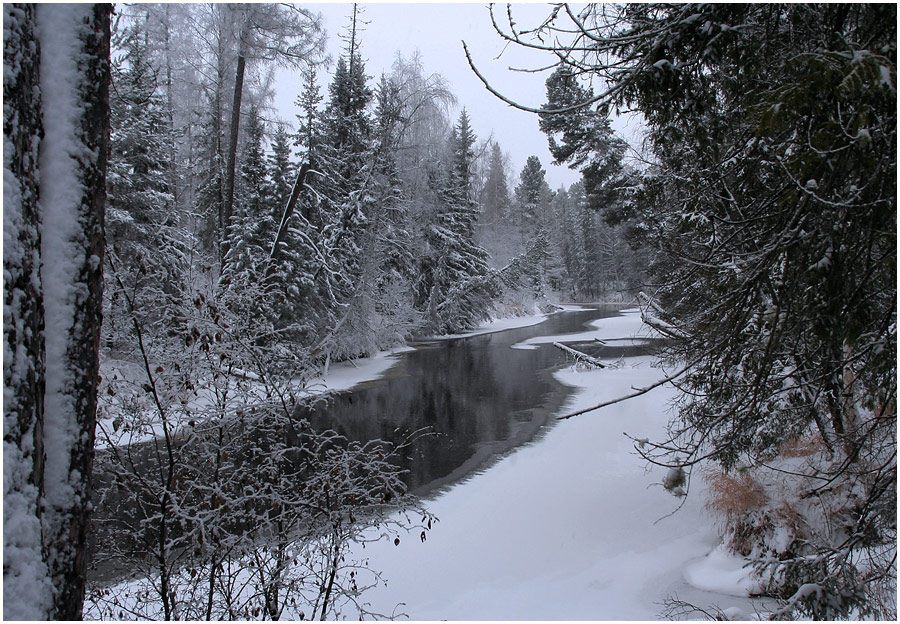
[[480, 396]]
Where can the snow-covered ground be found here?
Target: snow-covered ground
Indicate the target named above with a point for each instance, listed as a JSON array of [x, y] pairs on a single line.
[[345, 375], [571, 527]]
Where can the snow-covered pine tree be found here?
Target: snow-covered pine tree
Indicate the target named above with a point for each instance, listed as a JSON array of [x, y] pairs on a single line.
[[455, 288], [289, 274], [169, 40], [144, 231], [140, 194], [495, 195], [530, 194], [391, 219], [208, 125], [281, 171], [208, 162], [562, 232], [496, 232], [589, 251], [343, 160], [383, 295], [584, 139], [309, 130], [253, 224], [532, 198]]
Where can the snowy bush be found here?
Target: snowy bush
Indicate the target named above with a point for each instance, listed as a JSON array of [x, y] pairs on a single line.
[[812, 540], [212, 494]]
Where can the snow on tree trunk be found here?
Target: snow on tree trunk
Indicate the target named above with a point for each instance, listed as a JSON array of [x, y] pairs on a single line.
[[53, 234], [26, 586], [75, 86]]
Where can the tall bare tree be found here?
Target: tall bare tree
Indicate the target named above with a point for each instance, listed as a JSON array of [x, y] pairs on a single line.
[[265, 32]]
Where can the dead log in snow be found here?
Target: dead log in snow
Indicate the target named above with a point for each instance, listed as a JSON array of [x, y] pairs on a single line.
[[580, 356]]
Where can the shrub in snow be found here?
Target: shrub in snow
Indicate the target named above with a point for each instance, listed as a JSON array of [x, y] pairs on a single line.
[[739, 501], [809, 538], [216, 497]]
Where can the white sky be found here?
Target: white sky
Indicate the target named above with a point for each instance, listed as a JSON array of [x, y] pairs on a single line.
[[436, 30]]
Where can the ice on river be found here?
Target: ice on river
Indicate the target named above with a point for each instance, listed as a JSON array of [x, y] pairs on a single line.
[[570, 527]]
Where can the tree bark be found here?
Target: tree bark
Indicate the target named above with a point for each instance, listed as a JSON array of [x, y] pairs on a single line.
[[67, 519], [23, 320], [56, 132], [288, 212], [230, 166]]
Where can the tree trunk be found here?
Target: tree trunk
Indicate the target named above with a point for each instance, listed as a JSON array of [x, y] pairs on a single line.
[[73, 233], [286, 217], [230, 166], [56, 126], [24, 572], [578, 355]]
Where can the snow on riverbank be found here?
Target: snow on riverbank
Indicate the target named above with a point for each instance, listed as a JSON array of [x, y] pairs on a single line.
[[514, 322], [346, 375], [338, 377], [571, 527]]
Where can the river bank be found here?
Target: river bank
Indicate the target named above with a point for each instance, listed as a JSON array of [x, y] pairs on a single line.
[[337, 377]]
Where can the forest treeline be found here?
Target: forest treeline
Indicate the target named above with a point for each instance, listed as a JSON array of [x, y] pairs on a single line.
[[403, 222], [233, 255]]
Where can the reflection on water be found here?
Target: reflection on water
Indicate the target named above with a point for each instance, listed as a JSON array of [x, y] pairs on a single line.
[[480, 396]]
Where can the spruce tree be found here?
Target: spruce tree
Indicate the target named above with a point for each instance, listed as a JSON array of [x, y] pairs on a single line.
[[532, 195], [342, 155], [391, 218], [308, 101], [280, 170], [496, 191], [145, 236], [141, 201], [252, 228], [458, 292]]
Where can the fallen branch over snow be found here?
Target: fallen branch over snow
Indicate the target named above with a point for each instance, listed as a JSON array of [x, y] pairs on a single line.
[[639, 392], [580, 356]]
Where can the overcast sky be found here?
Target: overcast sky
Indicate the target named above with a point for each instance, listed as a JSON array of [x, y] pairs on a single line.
[[436, 30]]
